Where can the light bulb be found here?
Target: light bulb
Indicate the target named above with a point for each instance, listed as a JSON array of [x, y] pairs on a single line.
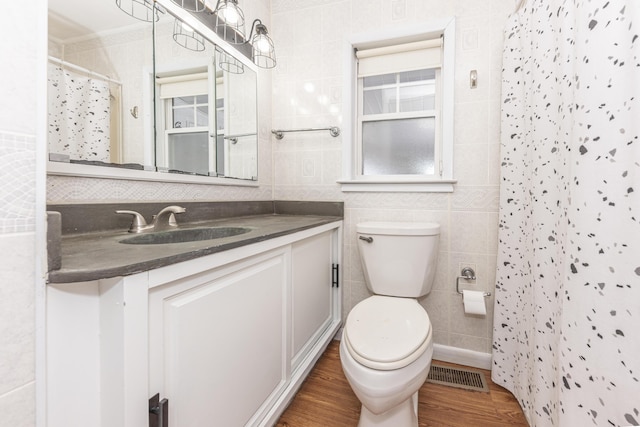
[[230, 15], [262, 44]]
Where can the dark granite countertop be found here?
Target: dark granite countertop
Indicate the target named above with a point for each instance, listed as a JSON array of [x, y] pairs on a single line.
[[92, 256], [84, 243]]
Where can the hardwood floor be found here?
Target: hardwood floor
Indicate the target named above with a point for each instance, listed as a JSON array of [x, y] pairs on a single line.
[[326, 400]]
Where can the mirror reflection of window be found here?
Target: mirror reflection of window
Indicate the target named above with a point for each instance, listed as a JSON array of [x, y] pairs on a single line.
[[186, 145], [190, 111], [188, 139], [189, 152]]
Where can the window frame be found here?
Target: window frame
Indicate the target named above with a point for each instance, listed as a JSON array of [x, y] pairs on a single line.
[[353, 180]]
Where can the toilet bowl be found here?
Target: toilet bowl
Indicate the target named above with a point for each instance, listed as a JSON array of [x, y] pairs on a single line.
[[386, 381], [387, 340]]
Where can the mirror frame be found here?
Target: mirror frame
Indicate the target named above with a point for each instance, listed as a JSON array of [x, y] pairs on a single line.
[[106, 172]]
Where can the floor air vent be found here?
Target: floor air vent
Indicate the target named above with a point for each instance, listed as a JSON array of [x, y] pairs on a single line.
[[467, 379]]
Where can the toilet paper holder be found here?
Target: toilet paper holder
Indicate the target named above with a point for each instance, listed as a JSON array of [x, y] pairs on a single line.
[[467, 273]]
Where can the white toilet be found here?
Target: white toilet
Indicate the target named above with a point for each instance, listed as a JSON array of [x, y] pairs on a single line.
[[387, 341]]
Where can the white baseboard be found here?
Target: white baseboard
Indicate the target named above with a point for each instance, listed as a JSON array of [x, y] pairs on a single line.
[[461, 356], [338, 335]]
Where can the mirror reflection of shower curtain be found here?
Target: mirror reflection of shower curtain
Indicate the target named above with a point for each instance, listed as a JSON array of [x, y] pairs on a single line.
[[79, 115]]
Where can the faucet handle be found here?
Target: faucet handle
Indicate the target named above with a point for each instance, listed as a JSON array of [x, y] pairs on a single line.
[[138, 221]]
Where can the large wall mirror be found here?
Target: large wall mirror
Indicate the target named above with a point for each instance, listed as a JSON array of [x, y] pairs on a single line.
[[147, 100]]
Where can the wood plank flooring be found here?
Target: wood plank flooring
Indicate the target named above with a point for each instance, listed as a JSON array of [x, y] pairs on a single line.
[[326, 400]]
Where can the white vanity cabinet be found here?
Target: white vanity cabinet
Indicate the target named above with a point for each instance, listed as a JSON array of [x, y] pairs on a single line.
[[312, 267], [217, 344], [226, 338]]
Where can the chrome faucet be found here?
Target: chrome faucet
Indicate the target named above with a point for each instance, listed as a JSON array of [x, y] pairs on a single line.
[[164, 220]]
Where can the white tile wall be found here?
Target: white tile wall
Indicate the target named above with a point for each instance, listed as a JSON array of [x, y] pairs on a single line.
[[469, 215], [17, 294], [17, 407], [17, 180], [18, 98], [18, 223]]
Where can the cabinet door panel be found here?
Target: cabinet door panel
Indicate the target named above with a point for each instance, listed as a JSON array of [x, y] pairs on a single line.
[[311, 282], [223, 346]]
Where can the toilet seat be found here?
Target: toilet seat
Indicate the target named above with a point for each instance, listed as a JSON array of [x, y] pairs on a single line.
[[387, 333]]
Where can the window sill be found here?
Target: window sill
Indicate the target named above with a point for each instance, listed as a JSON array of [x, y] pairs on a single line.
[[398, 186]]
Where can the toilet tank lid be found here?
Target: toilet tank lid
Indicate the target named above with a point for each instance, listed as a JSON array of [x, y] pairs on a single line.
[[399, 228]]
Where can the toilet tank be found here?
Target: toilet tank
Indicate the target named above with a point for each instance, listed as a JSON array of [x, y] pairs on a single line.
[[399, 259]]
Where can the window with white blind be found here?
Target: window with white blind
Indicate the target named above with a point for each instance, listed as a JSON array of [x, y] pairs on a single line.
[[403, 116], [187, 145], [398, 109]]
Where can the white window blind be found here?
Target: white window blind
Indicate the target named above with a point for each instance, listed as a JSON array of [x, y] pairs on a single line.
[[184, 85], [398, 58]]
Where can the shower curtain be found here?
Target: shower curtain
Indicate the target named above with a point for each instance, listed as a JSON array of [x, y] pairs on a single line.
[[567, 314], [79, 115]]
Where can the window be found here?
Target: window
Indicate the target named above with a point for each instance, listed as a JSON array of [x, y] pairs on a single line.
[[403, 116], [397, 123], [187, 145]]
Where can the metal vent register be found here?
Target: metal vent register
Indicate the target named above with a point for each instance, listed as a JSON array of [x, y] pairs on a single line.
[[467, 379]]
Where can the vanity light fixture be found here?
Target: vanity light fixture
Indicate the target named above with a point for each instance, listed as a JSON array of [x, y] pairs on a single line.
[[143, 10], [263, 52], [191, 5], [187, 37], [230, 21], [229, 63], [229, 25]]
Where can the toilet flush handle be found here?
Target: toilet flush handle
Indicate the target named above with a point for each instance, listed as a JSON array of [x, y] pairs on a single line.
[[366, 239]]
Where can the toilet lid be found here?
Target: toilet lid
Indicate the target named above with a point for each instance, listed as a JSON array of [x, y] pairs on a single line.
[[384, 330]]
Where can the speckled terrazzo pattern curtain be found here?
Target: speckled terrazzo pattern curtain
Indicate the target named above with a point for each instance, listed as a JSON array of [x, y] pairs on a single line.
[[79, 115], [567, 314]]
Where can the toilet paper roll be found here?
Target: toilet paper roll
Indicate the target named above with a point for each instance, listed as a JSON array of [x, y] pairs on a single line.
[[474, 302]]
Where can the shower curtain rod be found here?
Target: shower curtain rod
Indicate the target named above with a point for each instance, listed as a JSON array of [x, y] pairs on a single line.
[[74, 67]]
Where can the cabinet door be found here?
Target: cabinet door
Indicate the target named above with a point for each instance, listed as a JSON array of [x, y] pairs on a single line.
[[311, 261], [222, 342]]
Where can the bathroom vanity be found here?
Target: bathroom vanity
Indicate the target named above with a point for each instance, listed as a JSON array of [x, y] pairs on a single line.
[[225, 332]]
